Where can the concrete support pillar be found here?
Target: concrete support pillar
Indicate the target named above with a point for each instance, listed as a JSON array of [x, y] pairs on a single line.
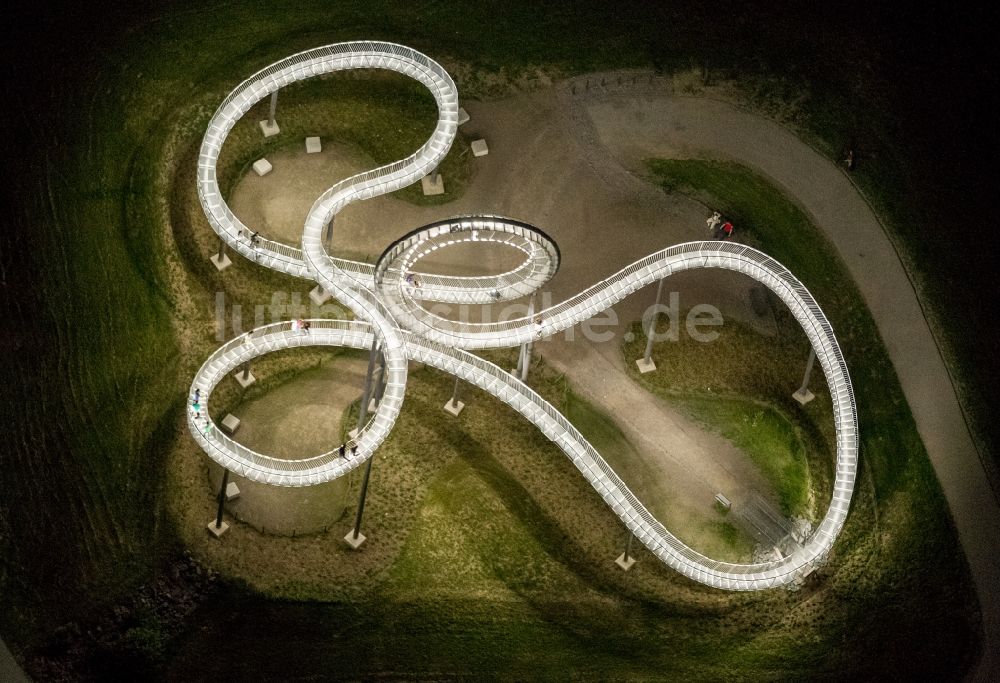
[[354, 537], [269, 126], [221, 260], [244, 376], [625, 560], [646, 363], [526, 348], [803, 395], [454, 406], [329, 234], [217, 527], [379, 384]]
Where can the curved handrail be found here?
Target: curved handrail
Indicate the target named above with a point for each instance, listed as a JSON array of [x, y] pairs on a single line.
[[389, 315]]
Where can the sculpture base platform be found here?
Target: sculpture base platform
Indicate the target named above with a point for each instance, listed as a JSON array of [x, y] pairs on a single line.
[[245, 379], [432, 184], [355, 543], [623, 563], [645, 365], [217, 531], [480, 148], [230, 423], [803, 396], [269, 128], [221, 263], [453, 407]]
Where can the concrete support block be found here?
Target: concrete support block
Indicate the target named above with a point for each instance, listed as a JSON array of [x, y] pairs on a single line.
[[803, 396], [645, 365], [217, 531], [480, 148], [245, 380], [355, 543], [318, 295], [432, 184], [453, 407], [623, 563], [230, 423], [232, 491], [353, 434], [262, 167], [221, 263], [463, 116], [269, 129], [313, 145]]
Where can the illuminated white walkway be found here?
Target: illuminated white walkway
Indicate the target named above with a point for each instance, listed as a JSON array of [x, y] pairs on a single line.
[[385, 297]]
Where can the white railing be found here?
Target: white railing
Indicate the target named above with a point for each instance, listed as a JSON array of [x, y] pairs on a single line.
[[403, 330]]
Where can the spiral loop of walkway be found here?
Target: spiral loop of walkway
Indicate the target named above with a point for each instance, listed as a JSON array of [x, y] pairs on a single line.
[[386, 301]]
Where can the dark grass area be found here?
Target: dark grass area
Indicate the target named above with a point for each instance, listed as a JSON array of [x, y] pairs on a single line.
[[93, 383]]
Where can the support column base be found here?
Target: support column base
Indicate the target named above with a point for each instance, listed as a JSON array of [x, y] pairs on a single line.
[[355, 543], [318, 295], [803, 396], [645, 365], [269, 128], [217, 532], [623, 563], [453, 407], [246, 379], [432, 185], [221, 263]]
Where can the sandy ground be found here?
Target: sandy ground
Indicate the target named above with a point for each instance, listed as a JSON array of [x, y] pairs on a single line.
[[563, 161]]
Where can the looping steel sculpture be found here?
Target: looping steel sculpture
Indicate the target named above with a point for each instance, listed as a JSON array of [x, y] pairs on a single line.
[[384, 299]]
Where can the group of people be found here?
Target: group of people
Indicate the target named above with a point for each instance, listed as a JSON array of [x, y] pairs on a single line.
[[411, 279], [342, 451], [196, 409], [721, 230], [301, 325]]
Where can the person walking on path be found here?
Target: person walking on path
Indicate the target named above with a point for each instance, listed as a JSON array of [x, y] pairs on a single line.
[[713, 221], [302, 326], [849, 160], [726, 231], [342, 451], [306, 325]]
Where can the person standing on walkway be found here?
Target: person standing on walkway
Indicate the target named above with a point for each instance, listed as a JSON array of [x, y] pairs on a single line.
[[342, 451], [726, 231]]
